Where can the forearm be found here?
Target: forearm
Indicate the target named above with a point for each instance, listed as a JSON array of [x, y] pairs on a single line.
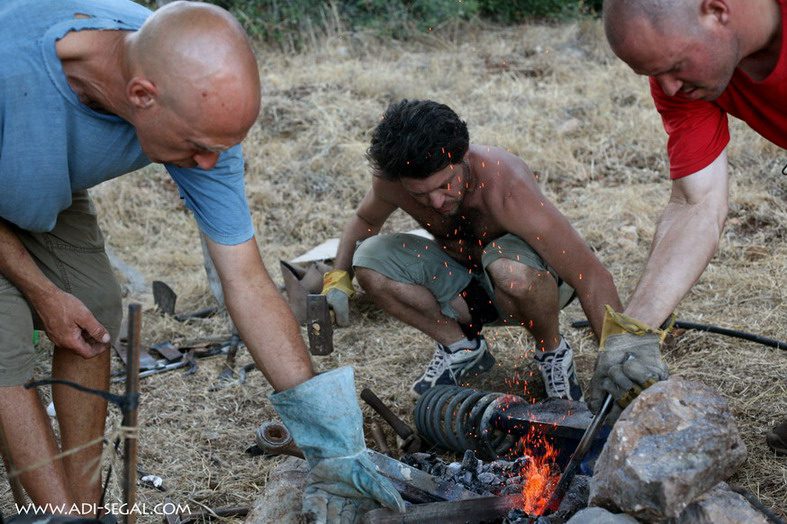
[[264, 321], [354, 231], [19, 268], [268, 328], [595, 290], [686, 239]]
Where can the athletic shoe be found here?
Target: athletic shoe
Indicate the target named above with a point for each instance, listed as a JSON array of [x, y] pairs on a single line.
[[557, 369], [448, 366]]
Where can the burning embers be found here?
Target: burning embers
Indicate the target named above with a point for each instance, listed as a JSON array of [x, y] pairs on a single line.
[[532, 478], [540, 473]]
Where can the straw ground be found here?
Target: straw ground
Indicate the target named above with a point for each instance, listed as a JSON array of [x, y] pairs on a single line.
[[553, 95]]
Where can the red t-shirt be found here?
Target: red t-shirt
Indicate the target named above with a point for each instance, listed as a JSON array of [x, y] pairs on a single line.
[[698, 130]]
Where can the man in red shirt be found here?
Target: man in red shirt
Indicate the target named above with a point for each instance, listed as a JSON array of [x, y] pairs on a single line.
[[705, 59]]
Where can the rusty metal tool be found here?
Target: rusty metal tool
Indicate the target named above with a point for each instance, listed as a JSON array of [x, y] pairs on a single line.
[[576, 458], [274, 438], [379, 438], [412, 442], [415, 485], [228, 370], [483, 509], [164, 297], [318, 324]]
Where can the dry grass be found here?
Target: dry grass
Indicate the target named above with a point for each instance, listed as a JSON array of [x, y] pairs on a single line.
[[553, 95]]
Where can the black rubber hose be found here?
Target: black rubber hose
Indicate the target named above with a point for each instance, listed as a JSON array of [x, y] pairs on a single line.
[[713, 329]]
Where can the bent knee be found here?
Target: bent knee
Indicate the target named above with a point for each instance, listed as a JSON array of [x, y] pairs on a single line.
[[514, 278], [370, 280]]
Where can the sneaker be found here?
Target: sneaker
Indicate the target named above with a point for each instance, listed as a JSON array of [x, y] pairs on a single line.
[[557, 369], [777, 438], [447, 367]]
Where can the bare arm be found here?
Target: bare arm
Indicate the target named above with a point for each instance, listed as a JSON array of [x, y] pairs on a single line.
[[265, 322], [524, 211], [370, 216], [686, 238], [68, 323]]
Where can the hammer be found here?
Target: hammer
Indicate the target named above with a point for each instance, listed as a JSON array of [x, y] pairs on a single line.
[[412, 442]]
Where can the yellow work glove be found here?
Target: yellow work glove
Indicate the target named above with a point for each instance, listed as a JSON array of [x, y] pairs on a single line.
[[337, 286], [629, 361]]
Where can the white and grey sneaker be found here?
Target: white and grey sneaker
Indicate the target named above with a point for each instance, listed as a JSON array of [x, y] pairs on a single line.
[[557, 369], [449, 365]]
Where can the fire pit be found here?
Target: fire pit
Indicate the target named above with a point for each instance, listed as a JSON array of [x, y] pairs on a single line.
[[527, 446]]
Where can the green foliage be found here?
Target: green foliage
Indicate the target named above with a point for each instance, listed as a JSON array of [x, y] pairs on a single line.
[[293, 23], [515, 11], [289, 21]]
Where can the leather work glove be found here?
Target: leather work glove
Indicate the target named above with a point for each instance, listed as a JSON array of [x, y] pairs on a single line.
[[324, 418], [338, 288], [628, 362]]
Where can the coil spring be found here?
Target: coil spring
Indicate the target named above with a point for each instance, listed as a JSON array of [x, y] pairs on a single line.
[[458, 419]]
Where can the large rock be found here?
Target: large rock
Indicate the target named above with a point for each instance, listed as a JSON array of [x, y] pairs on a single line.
[[721, 505], [282, 496], [674, 442], [600, 516]]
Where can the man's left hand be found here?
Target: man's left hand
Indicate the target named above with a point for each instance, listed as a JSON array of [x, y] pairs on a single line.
[[324, 418], [629, 361]]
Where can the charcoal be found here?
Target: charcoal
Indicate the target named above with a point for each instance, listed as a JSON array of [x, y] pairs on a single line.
[[470, 462], [513, 489], [490, 479], [516, 516], [575, 499], [453, 469]]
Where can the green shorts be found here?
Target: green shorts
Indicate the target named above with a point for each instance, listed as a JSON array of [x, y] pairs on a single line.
[[72, 256], [412, 259]]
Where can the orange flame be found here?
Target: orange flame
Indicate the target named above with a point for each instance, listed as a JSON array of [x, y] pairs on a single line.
[[541, 472]]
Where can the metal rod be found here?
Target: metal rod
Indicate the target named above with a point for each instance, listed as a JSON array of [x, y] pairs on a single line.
[[130, 409], [682, 324], [454, 512], [398, 425], [579, 453], [379, 438]]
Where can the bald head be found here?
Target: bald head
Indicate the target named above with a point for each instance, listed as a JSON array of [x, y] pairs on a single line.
[[201, 63], [666, 17]]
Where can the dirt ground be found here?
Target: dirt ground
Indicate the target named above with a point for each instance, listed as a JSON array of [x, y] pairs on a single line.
[[553, 95]]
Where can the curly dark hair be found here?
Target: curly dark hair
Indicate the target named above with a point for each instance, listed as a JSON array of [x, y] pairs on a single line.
[[415, 139]]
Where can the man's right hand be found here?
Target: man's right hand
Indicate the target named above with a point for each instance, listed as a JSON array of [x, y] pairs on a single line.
[[629, 361], [338, 288], [70, 324]]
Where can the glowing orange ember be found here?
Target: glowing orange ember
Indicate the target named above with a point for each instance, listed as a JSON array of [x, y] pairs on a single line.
[[541, 472]]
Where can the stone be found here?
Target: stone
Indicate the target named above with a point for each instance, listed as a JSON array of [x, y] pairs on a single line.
[[674, 442], [600, 516], [721, 505], [282, 496]]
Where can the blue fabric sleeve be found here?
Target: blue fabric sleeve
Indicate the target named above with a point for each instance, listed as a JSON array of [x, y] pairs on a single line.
[[217, 198]]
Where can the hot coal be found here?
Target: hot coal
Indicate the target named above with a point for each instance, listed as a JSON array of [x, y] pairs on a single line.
[[499, 477]]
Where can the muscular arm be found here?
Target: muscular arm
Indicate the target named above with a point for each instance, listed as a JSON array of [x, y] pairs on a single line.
[[686, 238], [68, 323], [264, 321], [523, 210], [370, 216]]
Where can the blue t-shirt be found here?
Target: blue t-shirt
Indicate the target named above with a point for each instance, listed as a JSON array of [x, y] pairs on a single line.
[[52, 145]]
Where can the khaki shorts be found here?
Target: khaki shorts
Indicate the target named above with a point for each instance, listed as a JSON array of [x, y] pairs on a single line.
[[72, 256], [412, 259]]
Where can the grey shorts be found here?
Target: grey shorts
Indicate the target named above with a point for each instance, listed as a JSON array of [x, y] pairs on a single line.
[[72, 256], [412, 259]]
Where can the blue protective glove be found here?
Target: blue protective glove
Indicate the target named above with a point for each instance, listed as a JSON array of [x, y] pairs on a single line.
[[325, 421]]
